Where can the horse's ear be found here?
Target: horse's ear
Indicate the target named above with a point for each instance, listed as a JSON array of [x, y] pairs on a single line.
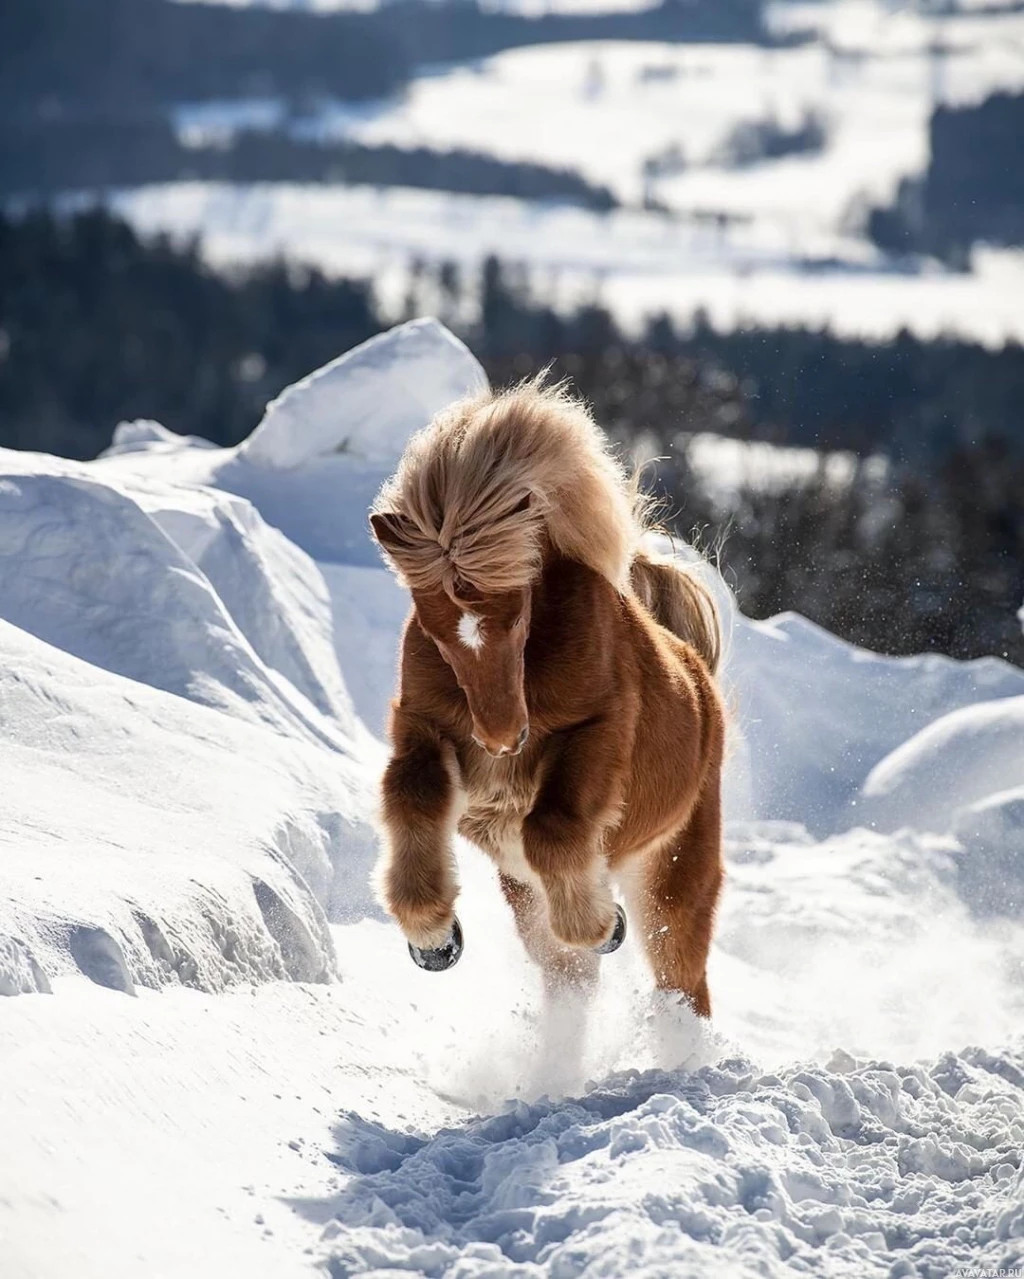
[[391, 529]]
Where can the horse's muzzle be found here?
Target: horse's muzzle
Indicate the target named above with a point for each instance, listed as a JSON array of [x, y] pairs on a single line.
[[505, 750]]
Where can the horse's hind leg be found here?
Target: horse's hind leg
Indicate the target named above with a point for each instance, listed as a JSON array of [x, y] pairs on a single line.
[[565, 968], [674, 897]]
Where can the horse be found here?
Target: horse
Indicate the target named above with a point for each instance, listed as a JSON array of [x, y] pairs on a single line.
[[556, 699]]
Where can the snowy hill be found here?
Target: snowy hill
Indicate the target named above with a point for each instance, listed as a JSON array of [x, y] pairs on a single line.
[[197, 648]]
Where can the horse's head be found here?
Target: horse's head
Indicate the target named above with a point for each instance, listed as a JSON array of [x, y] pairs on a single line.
[[481, 633], [483, 638]]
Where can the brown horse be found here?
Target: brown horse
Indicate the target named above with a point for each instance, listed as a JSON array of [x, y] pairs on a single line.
[[556, 702]]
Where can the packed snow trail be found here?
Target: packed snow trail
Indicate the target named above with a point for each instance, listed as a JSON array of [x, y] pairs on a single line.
[[196, 650]]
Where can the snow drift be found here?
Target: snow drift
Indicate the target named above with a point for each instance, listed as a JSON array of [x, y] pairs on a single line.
[[956, 761], [324, 447], [344, 408], [204, 779]]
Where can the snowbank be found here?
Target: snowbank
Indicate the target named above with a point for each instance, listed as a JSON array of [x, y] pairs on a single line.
[[188, 786], [343, 407], [147, 840], [951, 764], [818, 714]]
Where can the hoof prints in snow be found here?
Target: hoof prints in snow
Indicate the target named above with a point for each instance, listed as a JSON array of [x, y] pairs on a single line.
[[878, 1170]]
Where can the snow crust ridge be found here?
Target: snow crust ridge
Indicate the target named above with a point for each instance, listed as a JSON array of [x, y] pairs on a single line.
[[343, 407], [189, 787]]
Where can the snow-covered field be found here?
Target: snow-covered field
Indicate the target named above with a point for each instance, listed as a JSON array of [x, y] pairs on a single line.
[[237, 1069], [775, 242], [608, 106], [639, 264]]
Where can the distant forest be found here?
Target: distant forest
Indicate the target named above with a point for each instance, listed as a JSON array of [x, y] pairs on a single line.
[[973, 188], [86, 87], [52, 157], [111, 56], [97, 326]]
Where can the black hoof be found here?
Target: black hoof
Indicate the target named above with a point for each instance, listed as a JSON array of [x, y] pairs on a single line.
[[444, 956], [618, 934]]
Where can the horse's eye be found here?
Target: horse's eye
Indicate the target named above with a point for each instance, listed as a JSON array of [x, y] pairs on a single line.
[[519, 623]]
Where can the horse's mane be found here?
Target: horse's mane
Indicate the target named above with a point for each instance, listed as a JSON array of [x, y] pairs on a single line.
[[477, 490]]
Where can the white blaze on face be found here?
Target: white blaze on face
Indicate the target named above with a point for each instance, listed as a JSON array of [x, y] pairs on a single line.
[[470, 633]]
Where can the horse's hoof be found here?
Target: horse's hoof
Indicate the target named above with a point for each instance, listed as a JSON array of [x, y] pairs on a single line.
[[444, 956], [618, 934]]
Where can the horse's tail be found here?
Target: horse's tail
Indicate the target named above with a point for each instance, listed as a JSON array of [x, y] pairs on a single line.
[[679, 601]]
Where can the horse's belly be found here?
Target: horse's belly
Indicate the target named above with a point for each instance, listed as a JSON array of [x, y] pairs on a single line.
[[499, 832]]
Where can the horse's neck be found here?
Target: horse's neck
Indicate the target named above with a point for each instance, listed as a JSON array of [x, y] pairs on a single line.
[[562, 602], [561, 579]]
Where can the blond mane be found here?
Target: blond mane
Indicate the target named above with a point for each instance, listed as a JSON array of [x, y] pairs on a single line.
[[478, 489]]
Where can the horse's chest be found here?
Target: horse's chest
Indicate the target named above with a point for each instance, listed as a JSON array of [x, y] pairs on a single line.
[[498, 800]]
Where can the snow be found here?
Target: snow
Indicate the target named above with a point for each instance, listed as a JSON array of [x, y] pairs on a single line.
[[952, 763], [515, 6], [991, 864], [227, 774], [871, 72], [726, 467], [192, 693], [338, 409], [818, 714], [759, 1174]]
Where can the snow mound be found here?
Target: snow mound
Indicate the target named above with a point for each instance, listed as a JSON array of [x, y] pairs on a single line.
[[951, 764], [859, 1168], [341, 409], [146, 435], [818, 715], [173, 705], [148, 840], [85, 569], [325, 446], [991, 835]]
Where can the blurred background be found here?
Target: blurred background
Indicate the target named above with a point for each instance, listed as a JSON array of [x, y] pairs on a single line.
[[779, 246]]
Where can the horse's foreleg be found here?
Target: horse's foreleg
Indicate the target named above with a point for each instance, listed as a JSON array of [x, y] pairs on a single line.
[[563, 834], [565, 968], [581, 908], [675, 898], [416, 874]]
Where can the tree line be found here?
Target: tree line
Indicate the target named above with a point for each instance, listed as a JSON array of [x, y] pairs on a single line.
[[972, 189], [123, 56], [49, 158]]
